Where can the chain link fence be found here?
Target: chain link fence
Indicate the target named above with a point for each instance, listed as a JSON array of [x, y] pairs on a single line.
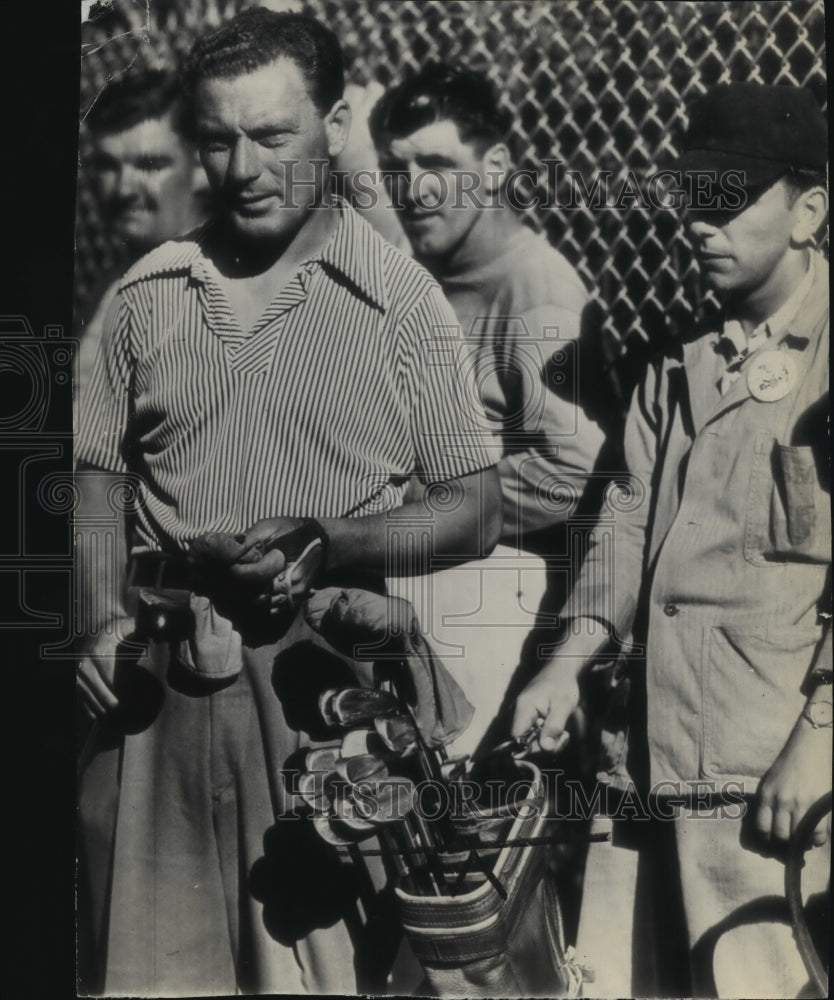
[[600, 85]]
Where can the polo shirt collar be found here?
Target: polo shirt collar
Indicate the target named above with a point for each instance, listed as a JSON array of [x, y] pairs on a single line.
[[355, 251], [179, 256]]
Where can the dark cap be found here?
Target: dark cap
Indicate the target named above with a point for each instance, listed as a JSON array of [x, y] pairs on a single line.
[[762, 130]]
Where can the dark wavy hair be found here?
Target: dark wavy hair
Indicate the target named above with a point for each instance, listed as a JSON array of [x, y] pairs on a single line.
[[440, 92], [138, 97], [255, 38]]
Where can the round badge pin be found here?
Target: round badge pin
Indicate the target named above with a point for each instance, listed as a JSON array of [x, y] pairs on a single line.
[[771, 376]]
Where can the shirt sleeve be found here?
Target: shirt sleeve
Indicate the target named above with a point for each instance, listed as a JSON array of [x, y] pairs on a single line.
[[104, 408], [609, 586], [545, 474], [448, 426], [90, 343]]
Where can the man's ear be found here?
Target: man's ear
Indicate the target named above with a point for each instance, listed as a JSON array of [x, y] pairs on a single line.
[[811, 210], [337, 127], [496, 164]]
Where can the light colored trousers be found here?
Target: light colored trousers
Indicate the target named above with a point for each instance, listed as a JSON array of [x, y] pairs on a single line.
[[191, 885], [692, 901]]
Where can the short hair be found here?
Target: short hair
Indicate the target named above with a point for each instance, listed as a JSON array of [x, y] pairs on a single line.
[[258, 36], [441, 92], [798, 180], [138, 97]]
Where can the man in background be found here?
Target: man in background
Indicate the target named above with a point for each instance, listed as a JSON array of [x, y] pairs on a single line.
[[149, 182], [441, 141]]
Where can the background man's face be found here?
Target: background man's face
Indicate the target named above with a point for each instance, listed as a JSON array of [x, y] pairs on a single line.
[[432, 170], [146, 179], [258, 136], [742, 253]]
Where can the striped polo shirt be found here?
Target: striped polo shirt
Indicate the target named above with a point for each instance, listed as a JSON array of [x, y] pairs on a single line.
[[349, 383]]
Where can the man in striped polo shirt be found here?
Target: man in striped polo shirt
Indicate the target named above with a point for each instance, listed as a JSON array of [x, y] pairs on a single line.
[[280, 364]]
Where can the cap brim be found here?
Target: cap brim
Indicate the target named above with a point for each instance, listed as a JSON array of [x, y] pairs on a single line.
[[756, 172]]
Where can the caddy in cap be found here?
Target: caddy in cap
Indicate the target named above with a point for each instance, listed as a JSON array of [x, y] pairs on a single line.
[[760, 130]]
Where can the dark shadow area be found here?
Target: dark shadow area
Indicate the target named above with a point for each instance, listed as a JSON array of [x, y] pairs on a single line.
[[304, 885], [301, 882], [140, 694], [300, 675]]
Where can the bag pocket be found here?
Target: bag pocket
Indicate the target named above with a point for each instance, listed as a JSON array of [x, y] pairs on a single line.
[[751, 694]]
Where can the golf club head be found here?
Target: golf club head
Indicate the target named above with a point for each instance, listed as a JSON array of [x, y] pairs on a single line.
[[385, 800], [323, 822], [346, 815], [318, 789], [363, 767], [358, 742], [397, 732], [326, 706], [322, 758], [354, 706]]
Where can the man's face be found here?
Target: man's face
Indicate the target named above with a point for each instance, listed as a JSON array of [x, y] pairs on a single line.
[[439, 185], [742, 254], [259, 136], [145, 177]]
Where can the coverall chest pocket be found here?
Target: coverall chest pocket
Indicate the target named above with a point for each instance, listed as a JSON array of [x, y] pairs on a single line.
[[788, 512], [801, 514]]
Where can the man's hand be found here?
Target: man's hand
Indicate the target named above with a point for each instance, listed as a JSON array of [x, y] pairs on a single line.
[[282, 577], [552, 695], [263, 540], [800, 775], [96, 672]]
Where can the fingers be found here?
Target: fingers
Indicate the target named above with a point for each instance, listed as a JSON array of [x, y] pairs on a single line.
[[822, 833], [97, 697], [526, 714], [285, 588], [259, 573], [535, 708], [553, 743], [552, 727], [777, 820], [763, 822], [281, 595], [784, 823], [267, 528], [774, 822], [218, 548]]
